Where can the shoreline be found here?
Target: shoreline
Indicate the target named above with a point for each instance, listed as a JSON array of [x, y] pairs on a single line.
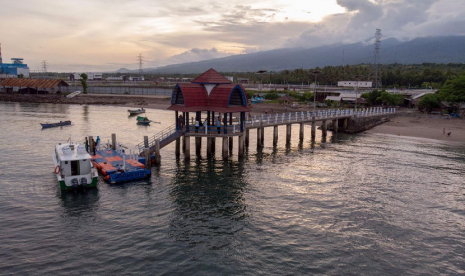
[[404, 124]]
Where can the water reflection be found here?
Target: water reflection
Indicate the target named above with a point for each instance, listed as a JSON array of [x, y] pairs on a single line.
[[209, 202], [80, 203]]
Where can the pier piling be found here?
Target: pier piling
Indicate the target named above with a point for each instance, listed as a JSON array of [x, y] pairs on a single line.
[[148, 161], [209, 146], [345, 124], [177, 150], [225, 148], [324, 128], [247, 135], [259, 138], [275, 136], [198, 145], [157, 160], [184, 144], [288, 133], [301, 132], [113, 141], [231, 143], [240, 140], [187, 148], [262, 137], [313, 129], [335, 125]]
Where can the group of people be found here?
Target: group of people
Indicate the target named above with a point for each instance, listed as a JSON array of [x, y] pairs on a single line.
[[94, 145], [444, 132]]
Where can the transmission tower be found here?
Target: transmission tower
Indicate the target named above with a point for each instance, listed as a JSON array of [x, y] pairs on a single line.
[[44, 66], [375, 69], [140, 59]]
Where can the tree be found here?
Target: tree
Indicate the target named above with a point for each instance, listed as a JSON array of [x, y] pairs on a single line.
[[84, 82], [428, 102], [454, 90], [271, 96]]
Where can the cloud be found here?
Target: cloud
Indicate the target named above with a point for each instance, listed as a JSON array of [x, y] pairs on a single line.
[[403, 20]]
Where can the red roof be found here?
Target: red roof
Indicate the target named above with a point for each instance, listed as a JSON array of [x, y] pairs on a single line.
[[196, 97], [194, 94], [211, 76], [33, 83]]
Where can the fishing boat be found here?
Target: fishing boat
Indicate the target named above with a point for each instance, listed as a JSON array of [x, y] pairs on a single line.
[[143, 120], [73, 167], [136, 111], [61, 123], [257, 99]]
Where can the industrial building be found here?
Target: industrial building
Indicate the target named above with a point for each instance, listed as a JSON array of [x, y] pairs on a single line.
[[90, 76], [14, 69]]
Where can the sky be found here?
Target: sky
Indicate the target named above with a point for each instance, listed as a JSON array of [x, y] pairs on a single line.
[[105, 35]]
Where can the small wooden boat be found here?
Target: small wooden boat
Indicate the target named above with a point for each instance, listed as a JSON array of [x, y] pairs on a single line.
[[136, 111], [74, 94], [143, 120], [61, 123]]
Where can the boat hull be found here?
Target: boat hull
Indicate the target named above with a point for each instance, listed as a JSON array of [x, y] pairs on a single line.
[[65, 123], [91, 185]]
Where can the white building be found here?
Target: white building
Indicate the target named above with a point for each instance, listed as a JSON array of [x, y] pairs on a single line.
[[90, 76], [365, 84]]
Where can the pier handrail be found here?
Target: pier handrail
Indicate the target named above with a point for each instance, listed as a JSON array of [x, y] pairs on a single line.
[[164, 134]]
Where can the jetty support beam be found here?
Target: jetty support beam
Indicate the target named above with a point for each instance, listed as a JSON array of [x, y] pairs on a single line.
[[345, 124], [198, 145], [187, 148], [177, 150], [259, 137], [301, 132], [225, 148], [209, 146], [324, 128], [247, 135], [241, 140], [313, 129], [148, 161], [275, 136], [288, 133], [157, 160], [335, 125], [113, 142]]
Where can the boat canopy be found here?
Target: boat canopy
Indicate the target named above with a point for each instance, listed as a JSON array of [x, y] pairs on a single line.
[[71, 152]]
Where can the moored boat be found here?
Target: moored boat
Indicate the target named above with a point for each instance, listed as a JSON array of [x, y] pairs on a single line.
[[73, 167], [143, 120], [61, 123], [136, 111], [257, 99]]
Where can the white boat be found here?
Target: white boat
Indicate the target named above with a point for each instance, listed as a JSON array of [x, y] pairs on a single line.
[[73, 167], [74, 94]]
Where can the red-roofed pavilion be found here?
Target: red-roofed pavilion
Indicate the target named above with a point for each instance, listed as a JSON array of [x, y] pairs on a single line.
[[210, 92]]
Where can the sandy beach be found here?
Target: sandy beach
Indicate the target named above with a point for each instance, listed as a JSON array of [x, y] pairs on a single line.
[[424, 126], [407, 123]]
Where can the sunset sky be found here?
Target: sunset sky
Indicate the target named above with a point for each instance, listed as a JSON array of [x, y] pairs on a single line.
[[99, 35]]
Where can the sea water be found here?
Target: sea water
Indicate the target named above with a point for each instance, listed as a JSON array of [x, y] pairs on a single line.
[[345, 205]]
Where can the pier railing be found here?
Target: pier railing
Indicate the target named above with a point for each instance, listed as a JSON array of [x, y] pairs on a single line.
[[161, 136], [304, 116]]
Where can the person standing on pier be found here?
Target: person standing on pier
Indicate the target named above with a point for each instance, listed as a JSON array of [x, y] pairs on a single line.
[[87, 145], [218, 125], [196, 126], [94, 145]]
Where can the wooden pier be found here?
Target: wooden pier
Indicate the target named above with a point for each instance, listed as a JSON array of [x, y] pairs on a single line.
[[227, 132]]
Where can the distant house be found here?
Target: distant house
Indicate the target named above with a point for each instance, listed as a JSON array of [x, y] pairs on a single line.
[[243, 81], [136, 78], [361, 84], [34, 86]]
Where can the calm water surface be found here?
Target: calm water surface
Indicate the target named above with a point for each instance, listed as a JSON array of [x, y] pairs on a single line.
[[353, 205]]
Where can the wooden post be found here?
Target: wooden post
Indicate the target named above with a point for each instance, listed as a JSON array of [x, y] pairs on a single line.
[[301, 132], [146, 141], [198, 145], [324, 128], [209, 146], [231, 139], [225, 148], [313, 129], [263, 137], [177, 151], [213, 144], [259, 138], [335, 125], [345, 124], [91, 145], [183, 144], [113, 141], [148, 161], [187, 148], [240, 140], [157, 160], [288, 133], [275, 136], [247, 135]]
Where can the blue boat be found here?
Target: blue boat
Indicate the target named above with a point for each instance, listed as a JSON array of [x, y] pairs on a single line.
[[143, 120], [257, 99], [61, 123]]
